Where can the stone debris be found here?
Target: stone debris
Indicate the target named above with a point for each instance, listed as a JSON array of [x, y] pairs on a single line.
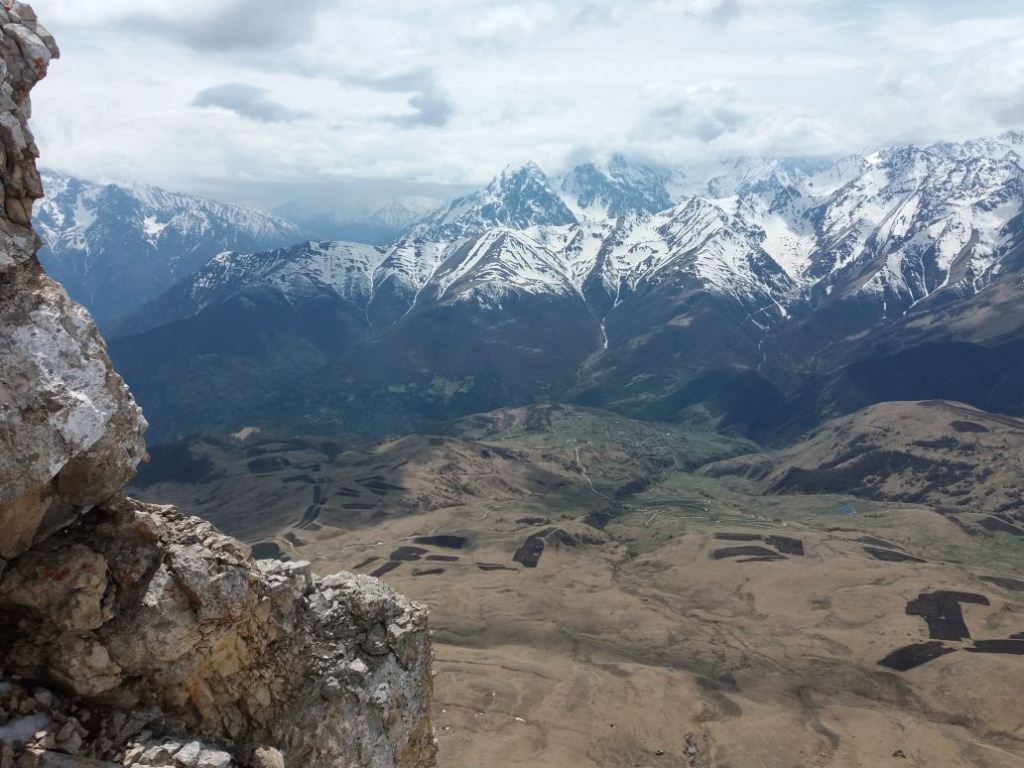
[[175, 754], [180, 623], [157, 640], [268, 757]]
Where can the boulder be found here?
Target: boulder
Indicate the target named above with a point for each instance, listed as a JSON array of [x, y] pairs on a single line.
[[71, 434]]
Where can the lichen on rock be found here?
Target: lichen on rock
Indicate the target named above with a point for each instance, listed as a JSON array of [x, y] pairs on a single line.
[[159, 640]]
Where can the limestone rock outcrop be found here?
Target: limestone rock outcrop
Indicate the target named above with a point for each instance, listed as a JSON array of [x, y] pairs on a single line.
[[70, 432], [131, 634], [147, 611]]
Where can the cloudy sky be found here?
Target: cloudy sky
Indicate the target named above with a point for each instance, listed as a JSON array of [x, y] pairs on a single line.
[[248, 98]]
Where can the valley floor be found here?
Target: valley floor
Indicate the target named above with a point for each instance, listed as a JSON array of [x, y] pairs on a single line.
[[599, 605], [642, 641]]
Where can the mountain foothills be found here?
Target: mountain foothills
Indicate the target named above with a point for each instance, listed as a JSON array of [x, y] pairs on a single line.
[[611, 592], [757, 296]]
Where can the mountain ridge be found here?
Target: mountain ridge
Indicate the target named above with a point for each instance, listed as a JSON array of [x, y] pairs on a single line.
[[115, 247], [855, 248], [728, 311]]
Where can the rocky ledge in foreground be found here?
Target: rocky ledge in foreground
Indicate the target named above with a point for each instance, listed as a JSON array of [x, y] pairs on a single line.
[[156, 622], [131, 634]]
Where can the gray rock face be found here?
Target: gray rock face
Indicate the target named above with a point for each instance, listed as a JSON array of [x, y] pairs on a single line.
[[144, 609], [70, 432], [135, 616]]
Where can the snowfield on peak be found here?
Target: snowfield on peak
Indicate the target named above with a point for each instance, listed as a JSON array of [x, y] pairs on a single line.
[[518, 198], [616, 188], [497, 261], [777, 237], [155, 210], [343, 269]]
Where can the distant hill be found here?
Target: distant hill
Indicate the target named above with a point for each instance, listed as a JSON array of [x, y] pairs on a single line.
[[950, 456]]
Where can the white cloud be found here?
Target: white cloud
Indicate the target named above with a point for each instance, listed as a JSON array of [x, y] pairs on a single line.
[[504, 26], [208, 25], [706, 111], [452, 90], [247, 101], [428, 104], [716, 11]]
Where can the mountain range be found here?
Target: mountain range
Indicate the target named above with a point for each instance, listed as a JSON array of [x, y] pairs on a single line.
[[116, 247], [758, 296]]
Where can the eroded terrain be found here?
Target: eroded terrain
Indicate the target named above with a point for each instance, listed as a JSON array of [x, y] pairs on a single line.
[[597, 603]]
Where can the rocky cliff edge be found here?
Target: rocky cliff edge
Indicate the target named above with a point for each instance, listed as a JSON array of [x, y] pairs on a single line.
[[131, 634]]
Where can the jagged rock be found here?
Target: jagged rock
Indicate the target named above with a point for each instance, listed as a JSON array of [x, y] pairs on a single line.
[[268, 757], [70, 432], [70, 584], [188, 755], [335, 671], [153, 618], [232, 652], [82, 664], [212, 759]]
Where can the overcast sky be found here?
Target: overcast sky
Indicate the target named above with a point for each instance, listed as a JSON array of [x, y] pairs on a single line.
[[226, 95]]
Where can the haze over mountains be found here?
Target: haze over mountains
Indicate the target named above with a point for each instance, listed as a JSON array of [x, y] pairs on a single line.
[[758, 295], [376, 225], [115, 247]]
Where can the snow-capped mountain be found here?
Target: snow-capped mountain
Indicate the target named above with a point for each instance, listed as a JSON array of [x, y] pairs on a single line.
[[798, 234], [517, 198], [495, 263], [115, 247], [918, 222], [609, 286], [617, 188], [311, 271]]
